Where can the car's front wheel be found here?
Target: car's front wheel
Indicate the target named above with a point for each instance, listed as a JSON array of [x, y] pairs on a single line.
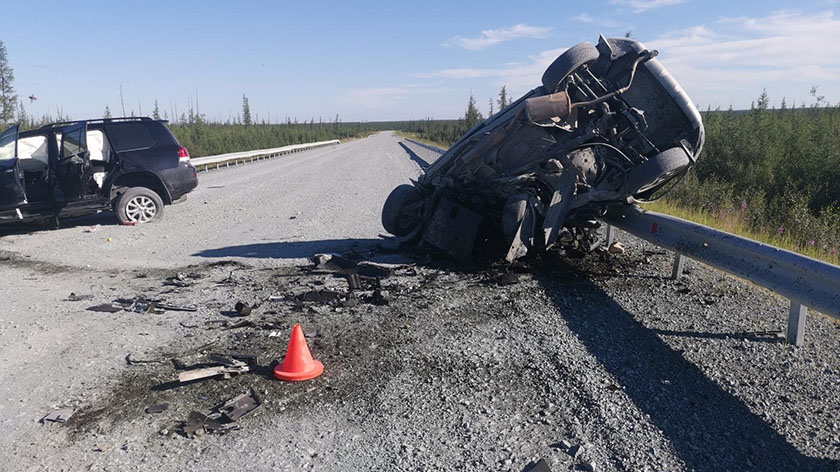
[[397, 217], [139, 205]]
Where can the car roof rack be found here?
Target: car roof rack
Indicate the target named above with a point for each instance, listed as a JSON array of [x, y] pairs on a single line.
[[101, 120]]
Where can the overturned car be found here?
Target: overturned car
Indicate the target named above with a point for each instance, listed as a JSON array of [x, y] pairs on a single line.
[[608, 125]]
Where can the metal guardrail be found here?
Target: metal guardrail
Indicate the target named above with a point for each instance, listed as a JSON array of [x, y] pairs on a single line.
[[236, 158], [427, 146], [806, 282]]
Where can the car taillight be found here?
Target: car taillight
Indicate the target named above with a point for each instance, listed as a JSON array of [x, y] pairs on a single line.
[[183, 154]]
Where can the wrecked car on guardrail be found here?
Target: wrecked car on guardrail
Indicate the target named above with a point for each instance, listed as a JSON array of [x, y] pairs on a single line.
[[608, 125]]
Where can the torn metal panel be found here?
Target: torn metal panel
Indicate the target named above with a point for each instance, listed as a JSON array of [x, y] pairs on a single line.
[[60, 415], [453, 229], [239, 406]]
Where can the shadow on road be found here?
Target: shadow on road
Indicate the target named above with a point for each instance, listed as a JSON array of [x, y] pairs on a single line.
[[105, 218], [290, 249], [710, 429], [415, 157]]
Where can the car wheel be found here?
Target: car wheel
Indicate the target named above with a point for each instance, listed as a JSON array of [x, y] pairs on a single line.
[[657, 170], [566, 63], [394, 219], [139, 205]]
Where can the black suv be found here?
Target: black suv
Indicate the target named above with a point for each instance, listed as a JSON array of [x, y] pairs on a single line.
[[133, 165]]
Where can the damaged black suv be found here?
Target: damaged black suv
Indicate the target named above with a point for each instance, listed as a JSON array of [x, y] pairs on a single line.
[[134, 166], [608, 125]]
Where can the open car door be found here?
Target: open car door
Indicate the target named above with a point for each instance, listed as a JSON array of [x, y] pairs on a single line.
[[73, 167], [12, 191]]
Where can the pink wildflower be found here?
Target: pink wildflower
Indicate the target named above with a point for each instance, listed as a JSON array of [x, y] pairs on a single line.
[[811, 242]]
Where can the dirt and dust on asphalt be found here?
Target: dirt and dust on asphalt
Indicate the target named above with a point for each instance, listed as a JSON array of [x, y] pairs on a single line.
[[597, 362]]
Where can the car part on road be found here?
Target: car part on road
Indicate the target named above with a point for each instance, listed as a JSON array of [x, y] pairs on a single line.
[[232, 368], [608, 125], [239, 406], [60, 415], [243, 309]]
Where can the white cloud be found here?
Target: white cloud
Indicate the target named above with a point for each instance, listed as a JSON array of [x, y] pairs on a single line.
[[590, 20], [385, 97], [639, 6], [728, 61], [495, 36], [519, 77], [784, 51]]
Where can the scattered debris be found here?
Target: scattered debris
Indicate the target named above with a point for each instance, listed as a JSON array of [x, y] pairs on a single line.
[[354, 282], [157, 408], [508, 278], [173, 307], [539, 466], [575, 450], [226, 367], [131, 361], [78, 298], [106, 308], [588, 466], [322, 296], [239, 406], [140, 305], [92, 229], [239, 324], [178, 280], [60, 415], [376, 269], [379, 297], [243, 309], [616, 248], [198, 423], [333, 262]]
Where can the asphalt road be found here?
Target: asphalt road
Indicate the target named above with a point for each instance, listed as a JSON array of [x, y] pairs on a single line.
[[455, 372]]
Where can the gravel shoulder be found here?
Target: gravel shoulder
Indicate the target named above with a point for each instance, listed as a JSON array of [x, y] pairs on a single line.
[[455, 372]]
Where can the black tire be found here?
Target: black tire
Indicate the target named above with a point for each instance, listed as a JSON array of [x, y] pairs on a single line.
[[574, 57], [394, 220], [657, 170], [139, 205]]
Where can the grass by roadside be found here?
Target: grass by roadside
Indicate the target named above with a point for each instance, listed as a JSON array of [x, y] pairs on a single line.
[[416, 137], [733, 222]]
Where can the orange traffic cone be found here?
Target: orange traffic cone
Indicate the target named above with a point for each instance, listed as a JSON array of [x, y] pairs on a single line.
[[298, 364]]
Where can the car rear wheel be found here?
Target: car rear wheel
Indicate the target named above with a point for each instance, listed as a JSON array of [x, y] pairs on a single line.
[[574, 57], [139, 205], [657, 170], [395, 219]]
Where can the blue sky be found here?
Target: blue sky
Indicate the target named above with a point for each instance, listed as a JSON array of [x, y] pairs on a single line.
[[396, 60]]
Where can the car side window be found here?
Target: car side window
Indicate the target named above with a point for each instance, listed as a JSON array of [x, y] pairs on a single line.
[[130, 137]]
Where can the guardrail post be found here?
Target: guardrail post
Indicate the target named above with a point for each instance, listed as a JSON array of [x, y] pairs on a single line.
[[679, 265], [796, 323], [610, 235]]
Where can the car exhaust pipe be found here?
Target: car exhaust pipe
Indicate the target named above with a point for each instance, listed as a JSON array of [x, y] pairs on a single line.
[[546, 107]]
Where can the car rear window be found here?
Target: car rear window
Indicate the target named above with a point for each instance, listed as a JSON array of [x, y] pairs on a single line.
[[130, 137]]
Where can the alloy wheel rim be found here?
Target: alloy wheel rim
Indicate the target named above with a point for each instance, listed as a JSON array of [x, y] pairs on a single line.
[[140, 209]]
